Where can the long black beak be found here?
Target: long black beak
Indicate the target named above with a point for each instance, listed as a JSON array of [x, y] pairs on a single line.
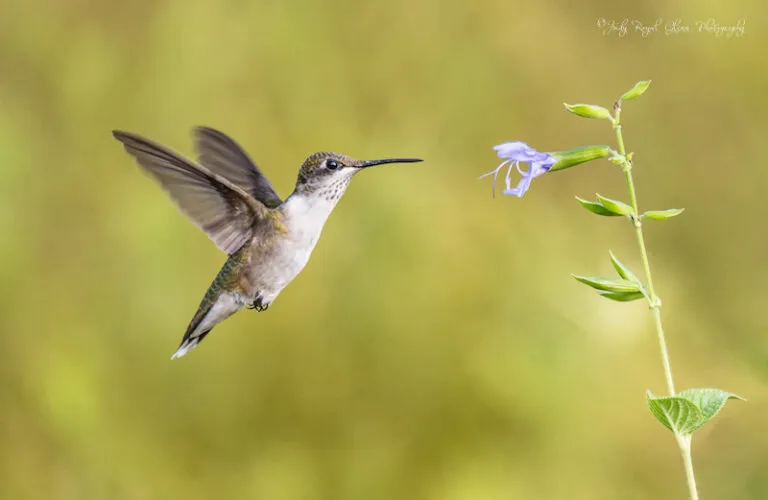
[[371, 163]]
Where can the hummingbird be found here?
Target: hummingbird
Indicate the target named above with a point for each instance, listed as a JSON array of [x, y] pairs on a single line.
[[268, 240]]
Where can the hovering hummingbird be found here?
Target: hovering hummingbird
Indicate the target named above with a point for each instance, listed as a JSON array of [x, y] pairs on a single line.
[[268, 240]]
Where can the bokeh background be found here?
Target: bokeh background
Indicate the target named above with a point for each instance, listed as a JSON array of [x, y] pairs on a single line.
[[435, 347]]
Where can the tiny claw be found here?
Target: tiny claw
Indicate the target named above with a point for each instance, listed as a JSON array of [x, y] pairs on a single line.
[[258, 305]]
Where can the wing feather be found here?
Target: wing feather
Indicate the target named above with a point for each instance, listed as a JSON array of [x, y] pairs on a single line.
[[218, 206], [222, 155]]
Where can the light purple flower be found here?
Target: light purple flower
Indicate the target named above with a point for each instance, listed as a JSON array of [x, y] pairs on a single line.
[[514, 153]]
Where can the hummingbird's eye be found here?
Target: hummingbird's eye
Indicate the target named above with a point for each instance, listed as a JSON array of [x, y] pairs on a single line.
[[332, 164]]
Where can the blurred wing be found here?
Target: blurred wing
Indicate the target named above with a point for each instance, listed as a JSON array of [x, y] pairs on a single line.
[[223, 156], [223, 210]]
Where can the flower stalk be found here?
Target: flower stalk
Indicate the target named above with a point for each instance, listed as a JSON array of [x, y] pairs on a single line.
[[654, 302]]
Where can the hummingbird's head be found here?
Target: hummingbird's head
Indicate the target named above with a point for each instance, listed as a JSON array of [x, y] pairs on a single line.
[[328, 174]]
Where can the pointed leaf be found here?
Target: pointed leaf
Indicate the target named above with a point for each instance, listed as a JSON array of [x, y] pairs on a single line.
[[588, 110], [709, 401], [677, 414], [596, 208], [636, 91], [621, 296], [663, 214], [577, 156], [622, 270], [609, 284], [615, 206]]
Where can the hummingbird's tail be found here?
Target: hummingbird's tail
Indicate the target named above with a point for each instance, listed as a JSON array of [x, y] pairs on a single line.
[[222, 300], [189, 342], [215, 308]]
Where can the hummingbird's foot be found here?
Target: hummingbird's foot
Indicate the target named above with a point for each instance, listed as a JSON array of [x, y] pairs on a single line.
[[258, 305]]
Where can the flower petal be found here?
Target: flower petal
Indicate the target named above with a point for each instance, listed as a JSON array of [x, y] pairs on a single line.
[[542, 166], [513, 150], [514, 153], [520, 189]]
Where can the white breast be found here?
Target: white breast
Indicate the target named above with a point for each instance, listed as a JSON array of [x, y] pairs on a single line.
[[304, 220]]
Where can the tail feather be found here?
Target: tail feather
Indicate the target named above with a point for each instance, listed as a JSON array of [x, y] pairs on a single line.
[[212, 311], [188, 343], [221, 301]]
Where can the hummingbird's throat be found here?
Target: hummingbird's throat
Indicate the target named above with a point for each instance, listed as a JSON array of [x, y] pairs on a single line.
[[307, 214], [333, 193]]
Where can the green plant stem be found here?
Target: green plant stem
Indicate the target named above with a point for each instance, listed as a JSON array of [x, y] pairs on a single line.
[[653, 299], [683, 441]]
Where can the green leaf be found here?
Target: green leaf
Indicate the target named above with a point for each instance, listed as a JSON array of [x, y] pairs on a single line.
[[709, 401], [690, 409], [622, 270], [596, 208], [588, 110], [621, 296], [576, 156], [615, 206], [636, 91], [609, 284], [663, 214], [676, 413]]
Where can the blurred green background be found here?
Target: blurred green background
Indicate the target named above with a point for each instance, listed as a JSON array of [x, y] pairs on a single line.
[[435, 347]]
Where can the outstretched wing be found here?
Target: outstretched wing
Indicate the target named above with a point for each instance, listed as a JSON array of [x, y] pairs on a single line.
[[216, 205], [222, 155]]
